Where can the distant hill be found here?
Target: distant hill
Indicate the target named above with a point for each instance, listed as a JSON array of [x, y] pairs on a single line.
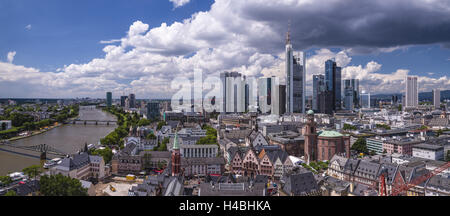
[[423, 96]]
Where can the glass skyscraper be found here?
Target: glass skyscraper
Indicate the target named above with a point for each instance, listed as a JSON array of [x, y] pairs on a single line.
[[333, 83], [295, 79], [108, 99], [351, 94], [318, 86]]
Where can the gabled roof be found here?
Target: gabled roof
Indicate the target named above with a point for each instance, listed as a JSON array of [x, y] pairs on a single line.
[[339, 159], [351, 166], [368, 168], [300, 183]]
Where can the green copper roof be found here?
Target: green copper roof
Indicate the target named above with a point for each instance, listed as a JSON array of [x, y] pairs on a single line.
[[330, 134], [310, 112], [175, 142]]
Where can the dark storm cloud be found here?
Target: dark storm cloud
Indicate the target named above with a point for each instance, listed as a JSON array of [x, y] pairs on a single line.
[[357, 23]]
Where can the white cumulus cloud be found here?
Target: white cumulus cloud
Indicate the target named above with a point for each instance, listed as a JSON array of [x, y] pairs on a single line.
[[243, 36], [179, 3], [10, 56]]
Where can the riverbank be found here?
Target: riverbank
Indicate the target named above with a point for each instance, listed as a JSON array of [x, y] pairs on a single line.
[[33, 133], [68, 138]]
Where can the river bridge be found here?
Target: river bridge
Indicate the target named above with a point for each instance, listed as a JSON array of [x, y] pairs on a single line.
[[44, 149], [92, 122]]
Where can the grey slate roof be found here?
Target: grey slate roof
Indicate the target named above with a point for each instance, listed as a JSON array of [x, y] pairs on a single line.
[[341, 160], [300, 183], [232, 189], [367, 169], [75, 162]]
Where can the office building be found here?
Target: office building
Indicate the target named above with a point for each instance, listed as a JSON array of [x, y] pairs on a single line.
[[365, 99], [428, 151], [132, 101], [295, 79], [412, 93], [333, 83], [233, 92], [108, 99], [351, 94], [437, 98], [265, 86], [318, 87], [123, 101], [153, 110], [279, 100]]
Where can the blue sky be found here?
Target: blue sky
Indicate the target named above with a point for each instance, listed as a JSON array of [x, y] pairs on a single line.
[[69, 31], [55, 48]]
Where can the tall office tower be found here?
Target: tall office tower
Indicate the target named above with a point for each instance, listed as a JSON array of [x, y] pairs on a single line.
[[437, 98], [318, 86], [295, 79], [299, 76], [108, 99], [131, 101], [265, 86], [325, 102], [247, 97], [233, 92], [356, 94], [279, 99], [412, 94], [153, 110], [224, 77], [333, 83], [403, 100], [338, 88], [365, 100], [394, 100], [289, 74], [349, 95], [122, 100]]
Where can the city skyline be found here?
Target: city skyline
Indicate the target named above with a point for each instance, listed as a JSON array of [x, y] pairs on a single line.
[[149, 55]]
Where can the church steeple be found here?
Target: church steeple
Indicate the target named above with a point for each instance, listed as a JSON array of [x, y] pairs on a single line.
[[176, 157]]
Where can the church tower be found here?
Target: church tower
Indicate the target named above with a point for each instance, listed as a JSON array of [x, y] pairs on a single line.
[[176, 157], [310, 134]]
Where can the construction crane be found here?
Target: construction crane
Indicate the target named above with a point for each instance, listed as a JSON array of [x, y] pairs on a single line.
[[398, 189]]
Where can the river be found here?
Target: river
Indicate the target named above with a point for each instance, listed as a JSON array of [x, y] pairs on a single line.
[[68, 138]]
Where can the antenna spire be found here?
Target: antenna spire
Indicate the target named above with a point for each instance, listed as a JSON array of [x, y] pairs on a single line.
[[288, 33]]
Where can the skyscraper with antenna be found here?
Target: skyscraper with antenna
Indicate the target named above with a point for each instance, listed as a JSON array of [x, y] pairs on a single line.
[[295, 77]]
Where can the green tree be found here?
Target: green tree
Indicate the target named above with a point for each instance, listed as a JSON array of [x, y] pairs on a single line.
[[11, 193], [151, 136], [448, 156], [400, 107], [210, 138], [105, 153], [59, 185], [6, 180], [349, 127], [160, 124], [423, 127], [384, 126], [360, 146], [19, 119], [144, 122], [32, 171]]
